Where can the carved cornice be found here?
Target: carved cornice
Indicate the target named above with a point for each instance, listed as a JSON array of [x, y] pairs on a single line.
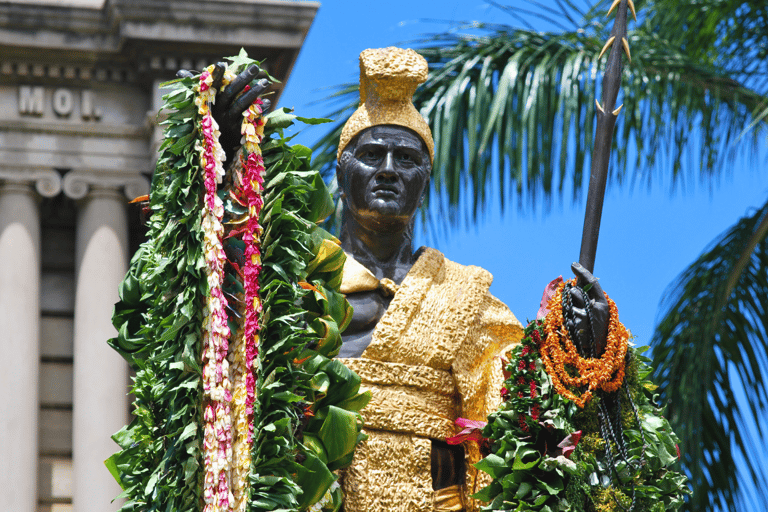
[[78, 184], [108, 27], [102, 131], [28, 68], [47, 181], [128, 40], [222, 21]]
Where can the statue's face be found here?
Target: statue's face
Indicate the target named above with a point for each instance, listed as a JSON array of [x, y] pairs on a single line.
[[383, 177]]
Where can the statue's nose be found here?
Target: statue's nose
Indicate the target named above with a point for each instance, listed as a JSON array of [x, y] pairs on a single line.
[[387, 169]]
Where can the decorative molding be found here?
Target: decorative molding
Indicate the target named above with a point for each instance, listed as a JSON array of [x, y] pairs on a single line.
[[47, 181], [78, 184], [78, 73], [103, 131], [131, 41], [173, 62]]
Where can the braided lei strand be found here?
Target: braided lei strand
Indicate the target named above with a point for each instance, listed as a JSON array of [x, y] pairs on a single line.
[[217, 387], [229, 418], [252, 184], [558, 352], [246, 347]]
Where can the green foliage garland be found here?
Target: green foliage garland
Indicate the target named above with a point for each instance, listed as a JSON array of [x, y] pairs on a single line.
[[548, 455], [306, 419], [159, 321]]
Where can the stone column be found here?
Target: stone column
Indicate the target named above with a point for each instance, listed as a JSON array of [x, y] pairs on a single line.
[[100, 374], [20, 332]]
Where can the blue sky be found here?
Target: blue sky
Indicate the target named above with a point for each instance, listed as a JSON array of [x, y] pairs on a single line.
[[648, 234]]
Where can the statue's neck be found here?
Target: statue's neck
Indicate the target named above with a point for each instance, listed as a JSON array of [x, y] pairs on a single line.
[[386, 254]]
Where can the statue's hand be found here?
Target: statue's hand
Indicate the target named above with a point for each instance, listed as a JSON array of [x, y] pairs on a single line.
[[230, 104], [598, 306]]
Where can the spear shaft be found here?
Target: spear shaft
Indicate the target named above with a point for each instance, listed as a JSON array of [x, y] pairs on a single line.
[[606, 121]]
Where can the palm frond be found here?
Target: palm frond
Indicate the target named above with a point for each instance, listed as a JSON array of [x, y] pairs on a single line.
[[710, 353], [524, 102], [730, 34]]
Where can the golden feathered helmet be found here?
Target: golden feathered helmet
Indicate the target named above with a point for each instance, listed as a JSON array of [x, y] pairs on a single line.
[[388, 79]]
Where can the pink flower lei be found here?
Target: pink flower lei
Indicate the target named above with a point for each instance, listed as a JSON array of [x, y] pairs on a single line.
[[252, 187], [217, 389], [229, 385]]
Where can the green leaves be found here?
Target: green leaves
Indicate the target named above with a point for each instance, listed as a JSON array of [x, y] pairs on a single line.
[[241, 61], [314, 479], [159, 320], [559, 460], [339, 432], [307, 403], [158, 464], [493, 465]]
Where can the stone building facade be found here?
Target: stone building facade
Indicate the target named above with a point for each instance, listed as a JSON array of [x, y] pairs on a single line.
[[78, 136]]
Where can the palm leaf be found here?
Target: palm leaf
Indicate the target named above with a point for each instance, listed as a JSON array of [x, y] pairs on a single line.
[[710, 344], [523, 101]]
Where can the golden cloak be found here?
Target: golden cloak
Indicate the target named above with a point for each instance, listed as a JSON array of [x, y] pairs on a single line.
[[433, 357]]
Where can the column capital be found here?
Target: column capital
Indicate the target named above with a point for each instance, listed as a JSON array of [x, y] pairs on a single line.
[[78, 184], [47, 182]]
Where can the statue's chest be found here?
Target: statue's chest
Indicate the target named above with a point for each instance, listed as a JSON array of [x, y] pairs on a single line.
[[368, 308]]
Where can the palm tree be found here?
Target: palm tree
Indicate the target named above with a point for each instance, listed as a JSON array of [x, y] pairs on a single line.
[[709, 348], [524, 100]]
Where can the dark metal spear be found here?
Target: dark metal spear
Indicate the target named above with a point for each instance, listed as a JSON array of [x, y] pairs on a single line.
[[606, 120]]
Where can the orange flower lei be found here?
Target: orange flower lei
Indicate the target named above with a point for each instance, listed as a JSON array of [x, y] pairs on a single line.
[[557, 350]]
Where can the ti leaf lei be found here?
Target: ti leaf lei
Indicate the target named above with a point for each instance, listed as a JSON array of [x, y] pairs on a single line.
[[547, 454], [230, 317]]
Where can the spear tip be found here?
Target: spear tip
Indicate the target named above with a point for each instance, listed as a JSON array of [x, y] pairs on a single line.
[[607, 45], [613, 6], [625, 43]]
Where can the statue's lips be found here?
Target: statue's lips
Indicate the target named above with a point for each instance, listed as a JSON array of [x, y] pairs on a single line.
[[384, 191]]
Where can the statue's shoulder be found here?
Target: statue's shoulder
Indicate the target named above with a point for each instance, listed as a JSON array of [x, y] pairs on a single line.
[[455, 272], [462, 287], [477, 281]]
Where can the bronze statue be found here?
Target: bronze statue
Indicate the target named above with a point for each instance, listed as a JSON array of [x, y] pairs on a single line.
[[382, 174], [426, 335]]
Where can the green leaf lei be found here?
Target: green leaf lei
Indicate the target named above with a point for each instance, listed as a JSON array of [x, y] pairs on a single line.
[[306, 421], [306, 417], [548, 455]]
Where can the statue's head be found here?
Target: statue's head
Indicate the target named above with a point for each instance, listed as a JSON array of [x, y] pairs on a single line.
[[383, 174], [386, 148]]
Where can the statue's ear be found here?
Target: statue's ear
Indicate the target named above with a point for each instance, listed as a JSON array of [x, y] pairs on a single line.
[[426, 186], [339, 178]]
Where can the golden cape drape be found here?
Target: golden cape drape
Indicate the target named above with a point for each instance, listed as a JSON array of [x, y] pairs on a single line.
[[433, 358]]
